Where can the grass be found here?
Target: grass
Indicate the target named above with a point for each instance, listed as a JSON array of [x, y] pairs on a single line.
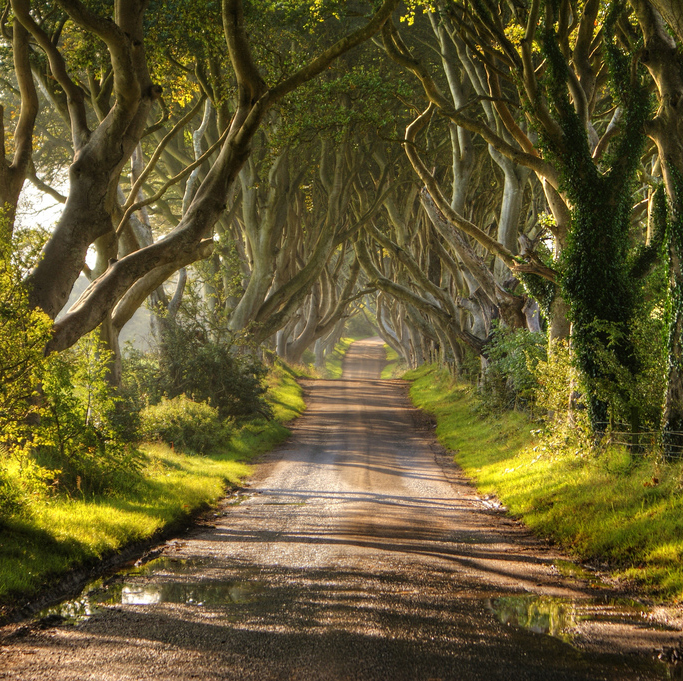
[[284, 393], [61, 533], [610, 508], [334, 361], [395, 366]]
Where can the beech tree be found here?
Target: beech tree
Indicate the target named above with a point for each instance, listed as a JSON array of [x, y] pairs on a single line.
[[554, 66], [662, 58], [504, 158], [102, 149]]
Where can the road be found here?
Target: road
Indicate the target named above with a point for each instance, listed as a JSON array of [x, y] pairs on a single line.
[[358, 552]]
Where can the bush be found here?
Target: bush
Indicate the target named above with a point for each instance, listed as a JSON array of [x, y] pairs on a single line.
[[510, 380], [81, 437], [212, 371], [23, 335], [185, 424], [187, 363]]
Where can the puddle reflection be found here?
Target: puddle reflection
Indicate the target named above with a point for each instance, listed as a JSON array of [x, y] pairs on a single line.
[[126, 588], [559, 617], [237, 593], [542, 615]]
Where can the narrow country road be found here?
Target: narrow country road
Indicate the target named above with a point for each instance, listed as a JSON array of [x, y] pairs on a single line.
[[357, 553]]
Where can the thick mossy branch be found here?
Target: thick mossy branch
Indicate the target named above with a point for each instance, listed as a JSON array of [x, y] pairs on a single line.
[[542, 290]]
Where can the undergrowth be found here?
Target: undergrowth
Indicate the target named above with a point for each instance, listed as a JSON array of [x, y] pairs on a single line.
[[620, 510]]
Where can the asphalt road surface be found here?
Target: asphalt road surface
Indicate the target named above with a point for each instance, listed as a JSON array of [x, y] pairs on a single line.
[[358, 552]]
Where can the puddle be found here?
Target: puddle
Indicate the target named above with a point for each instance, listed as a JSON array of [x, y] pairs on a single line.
[[559, 617], [538, 614], [152, 584], [205, 593]]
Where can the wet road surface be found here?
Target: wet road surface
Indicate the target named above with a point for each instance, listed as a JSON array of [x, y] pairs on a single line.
[[357, 553]]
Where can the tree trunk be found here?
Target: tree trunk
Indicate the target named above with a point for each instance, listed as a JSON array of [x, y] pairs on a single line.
[[662, 60]]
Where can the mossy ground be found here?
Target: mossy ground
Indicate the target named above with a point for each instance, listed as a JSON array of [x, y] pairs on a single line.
[[60, 533], [611, 508]]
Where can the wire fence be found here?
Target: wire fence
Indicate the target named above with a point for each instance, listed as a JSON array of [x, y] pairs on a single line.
[[668, 442]]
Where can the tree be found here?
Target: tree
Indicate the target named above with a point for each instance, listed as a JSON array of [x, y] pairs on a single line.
[[101, 152], [553, 65]]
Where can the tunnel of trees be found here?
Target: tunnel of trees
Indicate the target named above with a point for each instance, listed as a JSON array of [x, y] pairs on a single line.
[[495, 185]]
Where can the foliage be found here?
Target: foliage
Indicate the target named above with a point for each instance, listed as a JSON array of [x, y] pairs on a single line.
[[596, 280], [362, 97], [510, 379], [624, 391], [23, 334], [141, 381], [79, 437], [194, 356], [213, 371], [185, 424], [541, 290], [673, 426]]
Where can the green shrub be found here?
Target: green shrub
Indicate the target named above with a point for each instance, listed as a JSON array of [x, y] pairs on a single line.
[[632, 397], [185, 424], [212, 371], [81, 437], [186, 362], [512, 355], [23, 335], [141, 382]]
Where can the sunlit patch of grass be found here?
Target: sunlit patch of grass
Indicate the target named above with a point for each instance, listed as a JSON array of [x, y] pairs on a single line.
[[610, 507], [395, 366], [284, 393], [58, 533]]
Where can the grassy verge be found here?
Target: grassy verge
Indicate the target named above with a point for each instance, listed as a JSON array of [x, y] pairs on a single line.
[[334, 361], [395, 366], [613, 508], [62, 533]]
